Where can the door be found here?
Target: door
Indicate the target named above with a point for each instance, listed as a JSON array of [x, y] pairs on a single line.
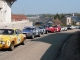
[[19, 36]]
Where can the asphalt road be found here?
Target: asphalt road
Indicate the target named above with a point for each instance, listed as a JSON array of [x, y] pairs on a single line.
[[46, 47]]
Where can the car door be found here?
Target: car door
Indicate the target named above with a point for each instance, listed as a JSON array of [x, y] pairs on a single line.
[[34, 31], [37, 32], [19, 36]]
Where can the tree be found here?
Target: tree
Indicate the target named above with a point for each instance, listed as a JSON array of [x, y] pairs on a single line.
[[62, 15], [57, 16]]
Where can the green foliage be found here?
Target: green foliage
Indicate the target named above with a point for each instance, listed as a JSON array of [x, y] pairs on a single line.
[[64, 25], [56, 16], [59, 16]]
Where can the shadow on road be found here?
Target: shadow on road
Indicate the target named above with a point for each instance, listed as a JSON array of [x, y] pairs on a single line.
[[57, 41]]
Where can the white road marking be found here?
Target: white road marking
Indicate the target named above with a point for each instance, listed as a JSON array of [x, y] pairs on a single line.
[[3, 53]]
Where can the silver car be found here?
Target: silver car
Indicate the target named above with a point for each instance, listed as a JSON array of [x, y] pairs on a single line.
[[31, 31]]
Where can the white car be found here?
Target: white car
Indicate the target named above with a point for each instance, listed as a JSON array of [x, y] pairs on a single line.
[[62, 28], [65, 28], [69, 27], [42, 29]]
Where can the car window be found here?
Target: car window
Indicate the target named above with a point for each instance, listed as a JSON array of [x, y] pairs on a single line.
[[28, 29], [18, 31], [7, 31]]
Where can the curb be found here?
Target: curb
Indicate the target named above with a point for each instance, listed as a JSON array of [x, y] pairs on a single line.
[[65, 43]]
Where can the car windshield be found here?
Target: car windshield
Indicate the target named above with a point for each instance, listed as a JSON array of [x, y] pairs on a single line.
[[54, 26], [28, 29], [7, 31], [41, 27]]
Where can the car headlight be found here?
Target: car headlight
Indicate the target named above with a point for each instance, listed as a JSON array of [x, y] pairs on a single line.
[[2, 42], [24, 35]]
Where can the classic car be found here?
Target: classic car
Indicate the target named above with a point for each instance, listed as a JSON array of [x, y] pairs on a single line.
[[10, 38], [57, 28], [43, 30], [77, 27], [31, 31], [69, 27], [50, 29], [63, 28]]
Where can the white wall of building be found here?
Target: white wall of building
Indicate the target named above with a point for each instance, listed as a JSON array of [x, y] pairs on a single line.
[[5, 12], [68, 21], [17, 24]]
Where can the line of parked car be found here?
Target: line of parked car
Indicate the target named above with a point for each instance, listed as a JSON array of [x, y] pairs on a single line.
[[9, 38], [33, 31]]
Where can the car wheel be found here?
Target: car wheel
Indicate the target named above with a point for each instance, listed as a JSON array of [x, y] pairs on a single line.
[[54, 31], [46, 32], [24, 42], [39, 34], [32, 36], [42, 32], [11, 46]]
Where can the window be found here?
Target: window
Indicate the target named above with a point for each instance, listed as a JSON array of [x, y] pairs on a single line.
[[18, 31], [68, 20], [7, 31]]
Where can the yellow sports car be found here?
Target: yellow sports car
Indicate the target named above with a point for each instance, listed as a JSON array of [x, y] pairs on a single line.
[[11, 37]]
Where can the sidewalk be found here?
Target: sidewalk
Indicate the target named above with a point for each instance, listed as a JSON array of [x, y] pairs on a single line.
[[71, 51]]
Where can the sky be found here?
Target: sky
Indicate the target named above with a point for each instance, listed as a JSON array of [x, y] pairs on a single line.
[[45, 6]]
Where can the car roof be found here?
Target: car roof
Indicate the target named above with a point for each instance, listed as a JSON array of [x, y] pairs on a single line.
[[11, 28], [29, 26]]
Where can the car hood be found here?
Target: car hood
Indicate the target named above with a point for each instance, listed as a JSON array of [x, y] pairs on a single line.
[[5, 37], [25, 31]]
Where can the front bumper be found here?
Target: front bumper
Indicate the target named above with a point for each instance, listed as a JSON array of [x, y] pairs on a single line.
[[27, 34]]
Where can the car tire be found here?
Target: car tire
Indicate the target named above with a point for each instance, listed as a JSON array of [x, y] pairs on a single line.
[[42, 32], [54, 31], [24, 42], [11, 46], [39, 35], [46, 32], [32, 36]]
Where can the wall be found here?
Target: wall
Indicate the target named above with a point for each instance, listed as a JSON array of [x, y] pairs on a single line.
[[78, 23], [1, 7], [69, 21], [63, 20], [8, 13], [19, 24], [5, 12]]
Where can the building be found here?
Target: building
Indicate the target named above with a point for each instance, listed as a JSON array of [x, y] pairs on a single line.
[[54, 22], [5, 10], [71, 20], [66, 20], [75, 20], [57, 22], [19, 17]]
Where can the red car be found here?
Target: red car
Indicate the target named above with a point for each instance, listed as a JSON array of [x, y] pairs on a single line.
[[57, 28], [50, 29]]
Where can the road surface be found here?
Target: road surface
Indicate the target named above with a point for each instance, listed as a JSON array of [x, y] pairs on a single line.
[[46, 47]]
